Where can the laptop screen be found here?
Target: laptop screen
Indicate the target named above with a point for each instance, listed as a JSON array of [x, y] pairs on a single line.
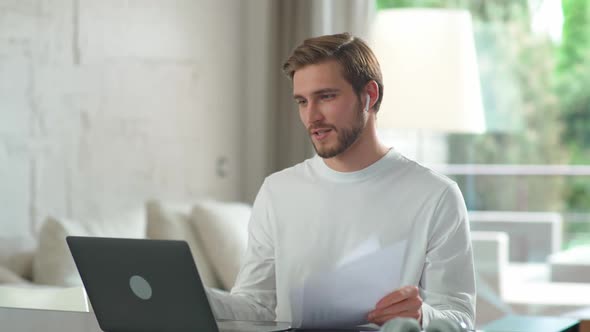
[[142, 285]]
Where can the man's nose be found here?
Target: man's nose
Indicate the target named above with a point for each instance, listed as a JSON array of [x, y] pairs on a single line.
[[313, 113]]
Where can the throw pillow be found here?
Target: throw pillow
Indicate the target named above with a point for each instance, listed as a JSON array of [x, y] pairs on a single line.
[[16, 254], [53, 263], [8, 276], [223, 230], [167, 221]]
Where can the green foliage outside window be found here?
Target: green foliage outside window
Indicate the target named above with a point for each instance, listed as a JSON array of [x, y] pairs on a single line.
[[573, 87]]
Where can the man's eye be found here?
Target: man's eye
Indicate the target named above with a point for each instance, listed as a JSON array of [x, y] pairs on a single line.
[[300, 102], [327, 96]]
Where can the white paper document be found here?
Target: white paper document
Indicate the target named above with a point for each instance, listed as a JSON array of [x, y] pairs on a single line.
[[344, 296]]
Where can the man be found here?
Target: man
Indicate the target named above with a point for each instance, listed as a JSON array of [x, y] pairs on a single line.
[[307, 217]]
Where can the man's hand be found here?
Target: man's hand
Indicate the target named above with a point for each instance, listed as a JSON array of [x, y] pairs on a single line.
[[404, 302]]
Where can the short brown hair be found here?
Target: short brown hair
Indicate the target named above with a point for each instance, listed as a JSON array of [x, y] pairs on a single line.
[[359, 63]]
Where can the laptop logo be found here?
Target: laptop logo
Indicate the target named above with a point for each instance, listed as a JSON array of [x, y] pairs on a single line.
[[140, 287]]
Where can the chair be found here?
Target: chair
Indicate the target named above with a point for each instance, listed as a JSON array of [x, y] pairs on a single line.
[[490, 252], [505, 288], [533, 235]]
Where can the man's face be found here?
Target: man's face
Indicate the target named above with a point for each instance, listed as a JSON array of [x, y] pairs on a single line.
[[328, 108]]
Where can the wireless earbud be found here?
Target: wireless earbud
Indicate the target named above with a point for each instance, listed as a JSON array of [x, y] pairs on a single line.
[[368, 100]]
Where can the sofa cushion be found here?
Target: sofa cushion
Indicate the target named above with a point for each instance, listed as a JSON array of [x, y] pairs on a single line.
[[8, 276], [223, 230], [53, 263], [22, 264], [167, 221], [16, 254]]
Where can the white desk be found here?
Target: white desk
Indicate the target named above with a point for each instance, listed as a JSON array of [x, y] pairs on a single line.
[[32, 320]]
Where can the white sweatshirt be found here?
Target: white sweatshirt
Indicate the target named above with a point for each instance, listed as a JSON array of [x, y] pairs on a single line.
[[307, 217]]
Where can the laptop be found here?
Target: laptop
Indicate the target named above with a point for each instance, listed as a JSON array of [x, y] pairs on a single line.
[[141, 285]]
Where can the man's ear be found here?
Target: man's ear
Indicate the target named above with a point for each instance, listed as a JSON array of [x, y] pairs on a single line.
[[372, 91]]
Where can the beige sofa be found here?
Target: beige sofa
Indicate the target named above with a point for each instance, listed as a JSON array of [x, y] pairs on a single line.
[[215, 231]]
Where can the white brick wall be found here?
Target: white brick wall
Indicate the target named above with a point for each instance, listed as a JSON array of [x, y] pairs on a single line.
[[104, 104]]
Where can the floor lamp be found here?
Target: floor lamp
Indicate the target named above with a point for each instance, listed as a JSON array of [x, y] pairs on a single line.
[[430, 72], [430, 75]]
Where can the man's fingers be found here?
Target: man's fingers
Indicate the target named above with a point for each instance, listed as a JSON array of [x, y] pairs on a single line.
[[413, 304], [397, 296], [389, 299], [406, 314], [404, 302]]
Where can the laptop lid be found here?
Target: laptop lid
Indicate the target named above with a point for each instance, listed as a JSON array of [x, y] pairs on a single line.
[[142, 285]]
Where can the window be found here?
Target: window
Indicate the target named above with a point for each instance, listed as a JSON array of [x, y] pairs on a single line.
[[533, 161]]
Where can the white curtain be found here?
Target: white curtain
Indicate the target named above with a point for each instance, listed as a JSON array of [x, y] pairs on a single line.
[[274, 137]]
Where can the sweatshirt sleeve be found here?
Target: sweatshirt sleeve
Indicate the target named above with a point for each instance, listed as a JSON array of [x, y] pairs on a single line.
[[448, 280], [253, 296]]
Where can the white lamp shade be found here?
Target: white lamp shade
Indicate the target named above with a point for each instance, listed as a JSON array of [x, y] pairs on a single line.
[[429, 68]]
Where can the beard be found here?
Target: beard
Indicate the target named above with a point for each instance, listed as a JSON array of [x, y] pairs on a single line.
[[344, 139]]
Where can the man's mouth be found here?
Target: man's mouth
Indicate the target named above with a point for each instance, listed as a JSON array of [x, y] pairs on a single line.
[[321, 133]]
